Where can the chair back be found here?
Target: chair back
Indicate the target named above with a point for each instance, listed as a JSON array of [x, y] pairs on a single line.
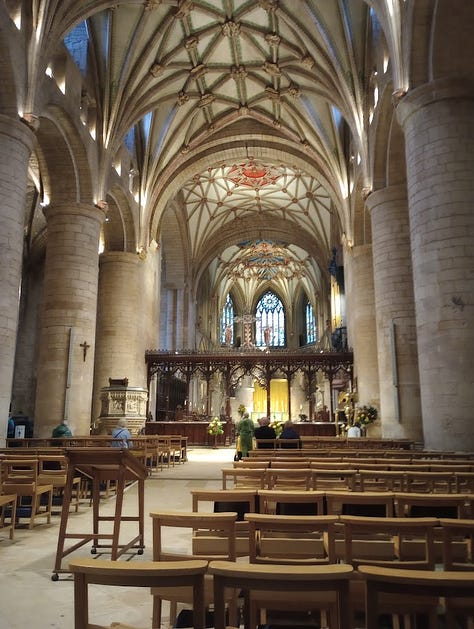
[[149, 574], [291, 539], [212, 535], [279, 587]]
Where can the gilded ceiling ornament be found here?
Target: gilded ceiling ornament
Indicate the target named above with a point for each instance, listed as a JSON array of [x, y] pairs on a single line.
[[273, 39], [238, 73], [184, 8], [152, 4], [294, 91], [272, 93], [182, 98], [156, 69], [198, 71], [231, 28], [206, 99], [191, 42], [244, 110], [271, 68], [307, 61]]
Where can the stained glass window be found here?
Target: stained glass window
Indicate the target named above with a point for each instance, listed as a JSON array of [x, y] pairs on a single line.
[[77, 41], [227, 322], [270, 324], [311, 336]]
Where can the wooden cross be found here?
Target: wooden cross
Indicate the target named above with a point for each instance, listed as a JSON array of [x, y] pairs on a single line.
[[85, 347]]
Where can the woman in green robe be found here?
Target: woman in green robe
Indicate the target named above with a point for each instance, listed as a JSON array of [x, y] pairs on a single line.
[[245, 430]]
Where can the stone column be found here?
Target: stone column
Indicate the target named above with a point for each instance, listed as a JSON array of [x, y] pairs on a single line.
[[400, 407], [118, 352], [16, 141], [68, 322], [438, 122], [363, 337]]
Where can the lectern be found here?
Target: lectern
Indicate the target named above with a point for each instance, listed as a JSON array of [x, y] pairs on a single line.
[[99, 465]]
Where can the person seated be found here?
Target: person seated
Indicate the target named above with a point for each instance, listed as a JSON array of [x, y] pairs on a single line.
[[264, 431], [290, 433], [61, 430], [121, 435], [354, 431]]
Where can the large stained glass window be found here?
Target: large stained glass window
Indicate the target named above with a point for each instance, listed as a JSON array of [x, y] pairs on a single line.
[[227, 322], [311, 336], [270, 323]]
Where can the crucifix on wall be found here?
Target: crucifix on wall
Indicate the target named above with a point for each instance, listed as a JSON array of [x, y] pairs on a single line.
[[85, 347], [247, 320]]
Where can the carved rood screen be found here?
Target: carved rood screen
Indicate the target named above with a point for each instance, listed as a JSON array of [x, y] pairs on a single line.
[[233, 366]]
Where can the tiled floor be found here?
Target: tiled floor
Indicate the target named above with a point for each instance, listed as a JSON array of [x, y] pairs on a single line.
[[28, 596]]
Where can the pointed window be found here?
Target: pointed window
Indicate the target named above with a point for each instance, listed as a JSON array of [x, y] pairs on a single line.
[[270, 324], [311, 336], [227, 322]]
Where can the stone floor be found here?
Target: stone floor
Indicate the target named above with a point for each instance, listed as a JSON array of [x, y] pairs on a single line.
[[28, 596]]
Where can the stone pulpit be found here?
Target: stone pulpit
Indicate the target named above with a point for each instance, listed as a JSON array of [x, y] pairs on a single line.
[[119, 401]]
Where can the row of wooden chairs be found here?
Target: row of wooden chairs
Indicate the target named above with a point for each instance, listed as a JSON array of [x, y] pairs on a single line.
[[317, 478], [282, 583], [357, 463], [301, 502], [347, 451], [288, 544]]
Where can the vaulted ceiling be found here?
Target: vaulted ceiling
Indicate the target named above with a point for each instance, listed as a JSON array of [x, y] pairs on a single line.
[[250, 116]]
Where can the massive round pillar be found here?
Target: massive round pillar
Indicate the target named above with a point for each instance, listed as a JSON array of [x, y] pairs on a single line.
[[361, 328], [118, 351], [16, 141], [400, 406], [438, 122], [68, 320]]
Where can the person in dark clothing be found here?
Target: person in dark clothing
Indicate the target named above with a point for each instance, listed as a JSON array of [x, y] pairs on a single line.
[[290, 433], [264, 431]]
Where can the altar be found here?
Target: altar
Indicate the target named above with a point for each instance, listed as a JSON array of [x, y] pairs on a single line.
[[195, 431]]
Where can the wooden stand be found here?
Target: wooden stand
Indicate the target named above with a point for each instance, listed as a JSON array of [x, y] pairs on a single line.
[[99, 465]]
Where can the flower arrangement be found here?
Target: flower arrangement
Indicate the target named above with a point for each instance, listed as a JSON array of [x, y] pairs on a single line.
[[215, 427], [241, 410], [277, 427], [366, 415]]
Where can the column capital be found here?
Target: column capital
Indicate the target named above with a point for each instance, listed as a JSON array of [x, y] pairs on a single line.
[[389, 194], [121, 257], [18, 130], [83, 210], [429, 93]]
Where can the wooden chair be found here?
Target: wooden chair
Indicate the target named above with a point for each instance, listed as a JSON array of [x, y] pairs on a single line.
[[360, 503], [212, 536], [243, 478], [458, 544], [52, 470], [429, 482], [151, 574], [324, 479], [433, 505], [428, 586], [8, 510], [291, 539], [381, 480], [20, 477], [276, 502], [296, 588], [281, 463], [396, 542], [229, 500], [289, 479]]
